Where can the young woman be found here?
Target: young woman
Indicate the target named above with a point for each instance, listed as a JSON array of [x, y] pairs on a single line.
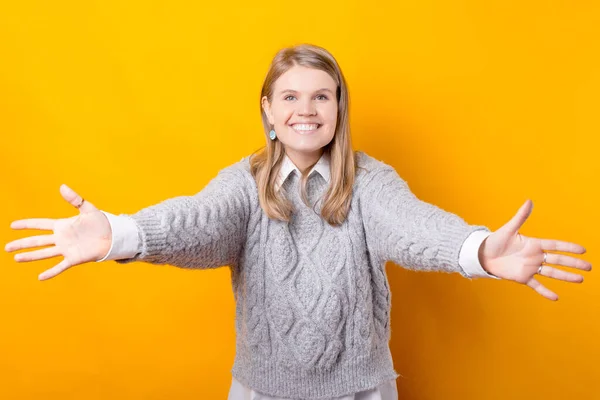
[[306, 226]]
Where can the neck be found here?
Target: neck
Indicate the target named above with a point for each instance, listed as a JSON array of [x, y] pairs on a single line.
[[304, 160]]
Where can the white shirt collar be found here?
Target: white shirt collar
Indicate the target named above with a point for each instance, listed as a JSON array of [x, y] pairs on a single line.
[[322, 167]]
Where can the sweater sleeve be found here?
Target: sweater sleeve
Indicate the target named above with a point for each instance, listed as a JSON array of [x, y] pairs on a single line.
[[408, 231], [205, 230]]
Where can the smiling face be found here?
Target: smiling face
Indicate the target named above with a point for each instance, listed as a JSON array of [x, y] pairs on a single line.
[[303, 111]]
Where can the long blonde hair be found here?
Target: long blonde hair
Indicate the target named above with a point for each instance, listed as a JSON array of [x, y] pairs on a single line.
[[266, 164]]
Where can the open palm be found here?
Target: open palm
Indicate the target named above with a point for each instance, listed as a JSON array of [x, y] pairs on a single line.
[[79, 239], [509, 255]]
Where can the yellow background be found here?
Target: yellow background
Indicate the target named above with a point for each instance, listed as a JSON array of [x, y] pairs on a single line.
[[478, 104]]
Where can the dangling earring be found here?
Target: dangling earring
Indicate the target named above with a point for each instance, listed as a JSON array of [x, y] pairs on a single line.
[[272, 134]]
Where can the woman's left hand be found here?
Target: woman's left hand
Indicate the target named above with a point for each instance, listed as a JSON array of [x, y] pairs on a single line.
[[509, 255]]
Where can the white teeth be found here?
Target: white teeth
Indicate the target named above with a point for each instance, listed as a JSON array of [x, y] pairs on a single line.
[[305, 127]]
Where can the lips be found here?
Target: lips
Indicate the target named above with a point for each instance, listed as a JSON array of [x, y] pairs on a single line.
[[305, 128]]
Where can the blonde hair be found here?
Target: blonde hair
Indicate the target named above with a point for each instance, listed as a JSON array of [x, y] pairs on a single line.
[[266, 164]]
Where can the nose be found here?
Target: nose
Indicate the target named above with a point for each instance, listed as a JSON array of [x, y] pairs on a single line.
[[306, 107]]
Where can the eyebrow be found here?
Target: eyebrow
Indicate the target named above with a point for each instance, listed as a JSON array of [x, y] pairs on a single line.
[[294, 91]]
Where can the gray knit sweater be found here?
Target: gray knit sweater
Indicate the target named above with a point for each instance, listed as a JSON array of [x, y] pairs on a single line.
[[312, 300]]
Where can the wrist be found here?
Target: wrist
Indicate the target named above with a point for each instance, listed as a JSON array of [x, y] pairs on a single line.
[[482, 258]]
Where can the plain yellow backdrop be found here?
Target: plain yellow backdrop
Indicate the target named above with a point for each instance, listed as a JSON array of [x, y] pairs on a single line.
[[479, 105]]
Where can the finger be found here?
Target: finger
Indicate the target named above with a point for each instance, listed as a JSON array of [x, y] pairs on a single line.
[[34, 223], [568, 261], [541, 289], [559, 274], [520, 217], [559, 245], [38, 254], [33, 241], [52, 272], [76, 200]]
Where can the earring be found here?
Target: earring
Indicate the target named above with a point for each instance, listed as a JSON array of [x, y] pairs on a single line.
[[272, 134]]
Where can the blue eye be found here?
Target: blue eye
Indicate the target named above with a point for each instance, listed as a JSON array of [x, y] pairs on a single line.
[[319, 95]]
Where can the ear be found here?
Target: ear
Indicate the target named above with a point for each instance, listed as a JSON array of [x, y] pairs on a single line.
[[267, 109]]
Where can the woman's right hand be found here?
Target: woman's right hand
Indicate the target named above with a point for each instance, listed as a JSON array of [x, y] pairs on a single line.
[[83, 238]]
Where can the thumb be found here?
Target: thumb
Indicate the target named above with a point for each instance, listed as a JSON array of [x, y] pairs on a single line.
[[76, 200], [519, 218]]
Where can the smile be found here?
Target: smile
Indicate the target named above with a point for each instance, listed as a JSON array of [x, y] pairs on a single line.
[[305, 129]]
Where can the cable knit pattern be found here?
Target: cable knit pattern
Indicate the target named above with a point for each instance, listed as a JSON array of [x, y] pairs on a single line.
[[206, 230], [312, 300]]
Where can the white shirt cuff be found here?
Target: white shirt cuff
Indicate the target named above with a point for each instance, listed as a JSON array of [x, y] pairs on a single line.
[[125, 240], [469, 255]]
